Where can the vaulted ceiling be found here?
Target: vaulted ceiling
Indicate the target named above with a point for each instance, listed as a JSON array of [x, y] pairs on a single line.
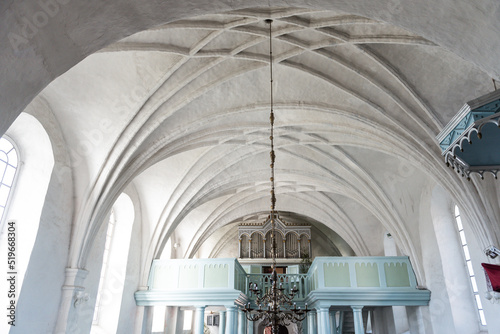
[[180, 114]]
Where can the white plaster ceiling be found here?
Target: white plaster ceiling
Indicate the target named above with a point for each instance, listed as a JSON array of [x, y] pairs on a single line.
[[181, 112]]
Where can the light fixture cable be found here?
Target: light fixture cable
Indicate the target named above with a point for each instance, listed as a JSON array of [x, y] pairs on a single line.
[[281, 310]]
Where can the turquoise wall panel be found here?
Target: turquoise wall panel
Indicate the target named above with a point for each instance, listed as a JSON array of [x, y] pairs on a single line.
[[397, 275], [336, 275], [216, 276], [188, 277], [367, 275]]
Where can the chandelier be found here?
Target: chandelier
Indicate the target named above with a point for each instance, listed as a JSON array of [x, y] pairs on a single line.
[[275, 306]]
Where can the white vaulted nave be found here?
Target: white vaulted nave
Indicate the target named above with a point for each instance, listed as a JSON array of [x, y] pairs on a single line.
[[135, 178]]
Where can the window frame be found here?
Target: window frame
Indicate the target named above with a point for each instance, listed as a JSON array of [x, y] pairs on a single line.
[[10, 195], [469, 267]]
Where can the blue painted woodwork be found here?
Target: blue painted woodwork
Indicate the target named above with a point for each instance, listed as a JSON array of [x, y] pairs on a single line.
[[367, 281], [397, 284], [195, 282], [470, 141]]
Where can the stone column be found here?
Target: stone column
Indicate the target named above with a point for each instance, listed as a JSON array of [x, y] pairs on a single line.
[[242, 322], [284, 247], [250, 327], [222, 322], [333, 322], [312, 328], [309, 243], [298, 245], [147, 320], [72, 296], [171, 319], [139, 315], [180, 321], [200, 319], [358, 319], [231, 320], [324, 320]]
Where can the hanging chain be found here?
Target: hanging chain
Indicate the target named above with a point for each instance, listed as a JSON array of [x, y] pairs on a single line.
[[272, 154], [275, 298]]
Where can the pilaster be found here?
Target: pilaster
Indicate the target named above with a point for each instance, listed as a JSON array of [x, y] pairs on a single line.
[[73, 295]]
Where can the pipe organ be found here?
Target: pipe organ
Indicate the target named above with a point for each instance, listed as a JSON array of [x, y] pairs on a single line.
[[292, 240]]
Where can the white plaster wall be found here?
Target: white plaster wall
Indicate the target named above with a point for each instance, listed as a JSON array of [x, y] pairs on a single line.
[[436, 318], [38, 254], [35, 163], [128, 309], [453, 265], [112, 285], [82, 322]]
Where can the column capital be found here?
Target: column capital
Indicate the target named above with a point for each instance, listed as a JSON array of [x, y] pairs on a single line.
[[324, 320], [358, 319], [74, 277], [200, 319]]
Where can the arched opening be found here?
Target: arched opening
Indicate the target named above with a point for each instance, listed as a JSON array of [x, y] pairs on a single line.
[[114, 266], [8, 168]]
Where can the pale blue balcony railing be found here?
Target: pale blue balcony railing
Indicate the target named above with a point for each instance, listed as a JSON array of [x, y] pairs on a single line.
[[393, 272], [195, 282], [181, 274], [375, 281]]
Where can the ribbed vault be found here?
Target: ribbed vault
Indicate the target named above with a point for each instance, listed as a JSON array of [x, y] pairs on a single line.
[[181, 112]]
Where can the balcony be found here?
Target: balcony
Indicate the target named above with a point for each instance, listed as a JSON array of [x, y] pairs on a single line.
[[366, 281], [332, 281]]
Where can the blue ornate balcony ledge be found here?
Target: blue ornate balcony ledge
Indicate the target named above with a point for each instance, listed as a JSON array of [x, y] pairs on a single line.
[[194, 282], [469, 142], [367, 281], [364, 281]]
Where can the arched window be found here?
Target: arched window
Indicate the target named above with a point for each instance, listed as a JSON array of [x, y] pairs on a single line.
[[8, 168], [105, 260], [468, 262], [114, 266]]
